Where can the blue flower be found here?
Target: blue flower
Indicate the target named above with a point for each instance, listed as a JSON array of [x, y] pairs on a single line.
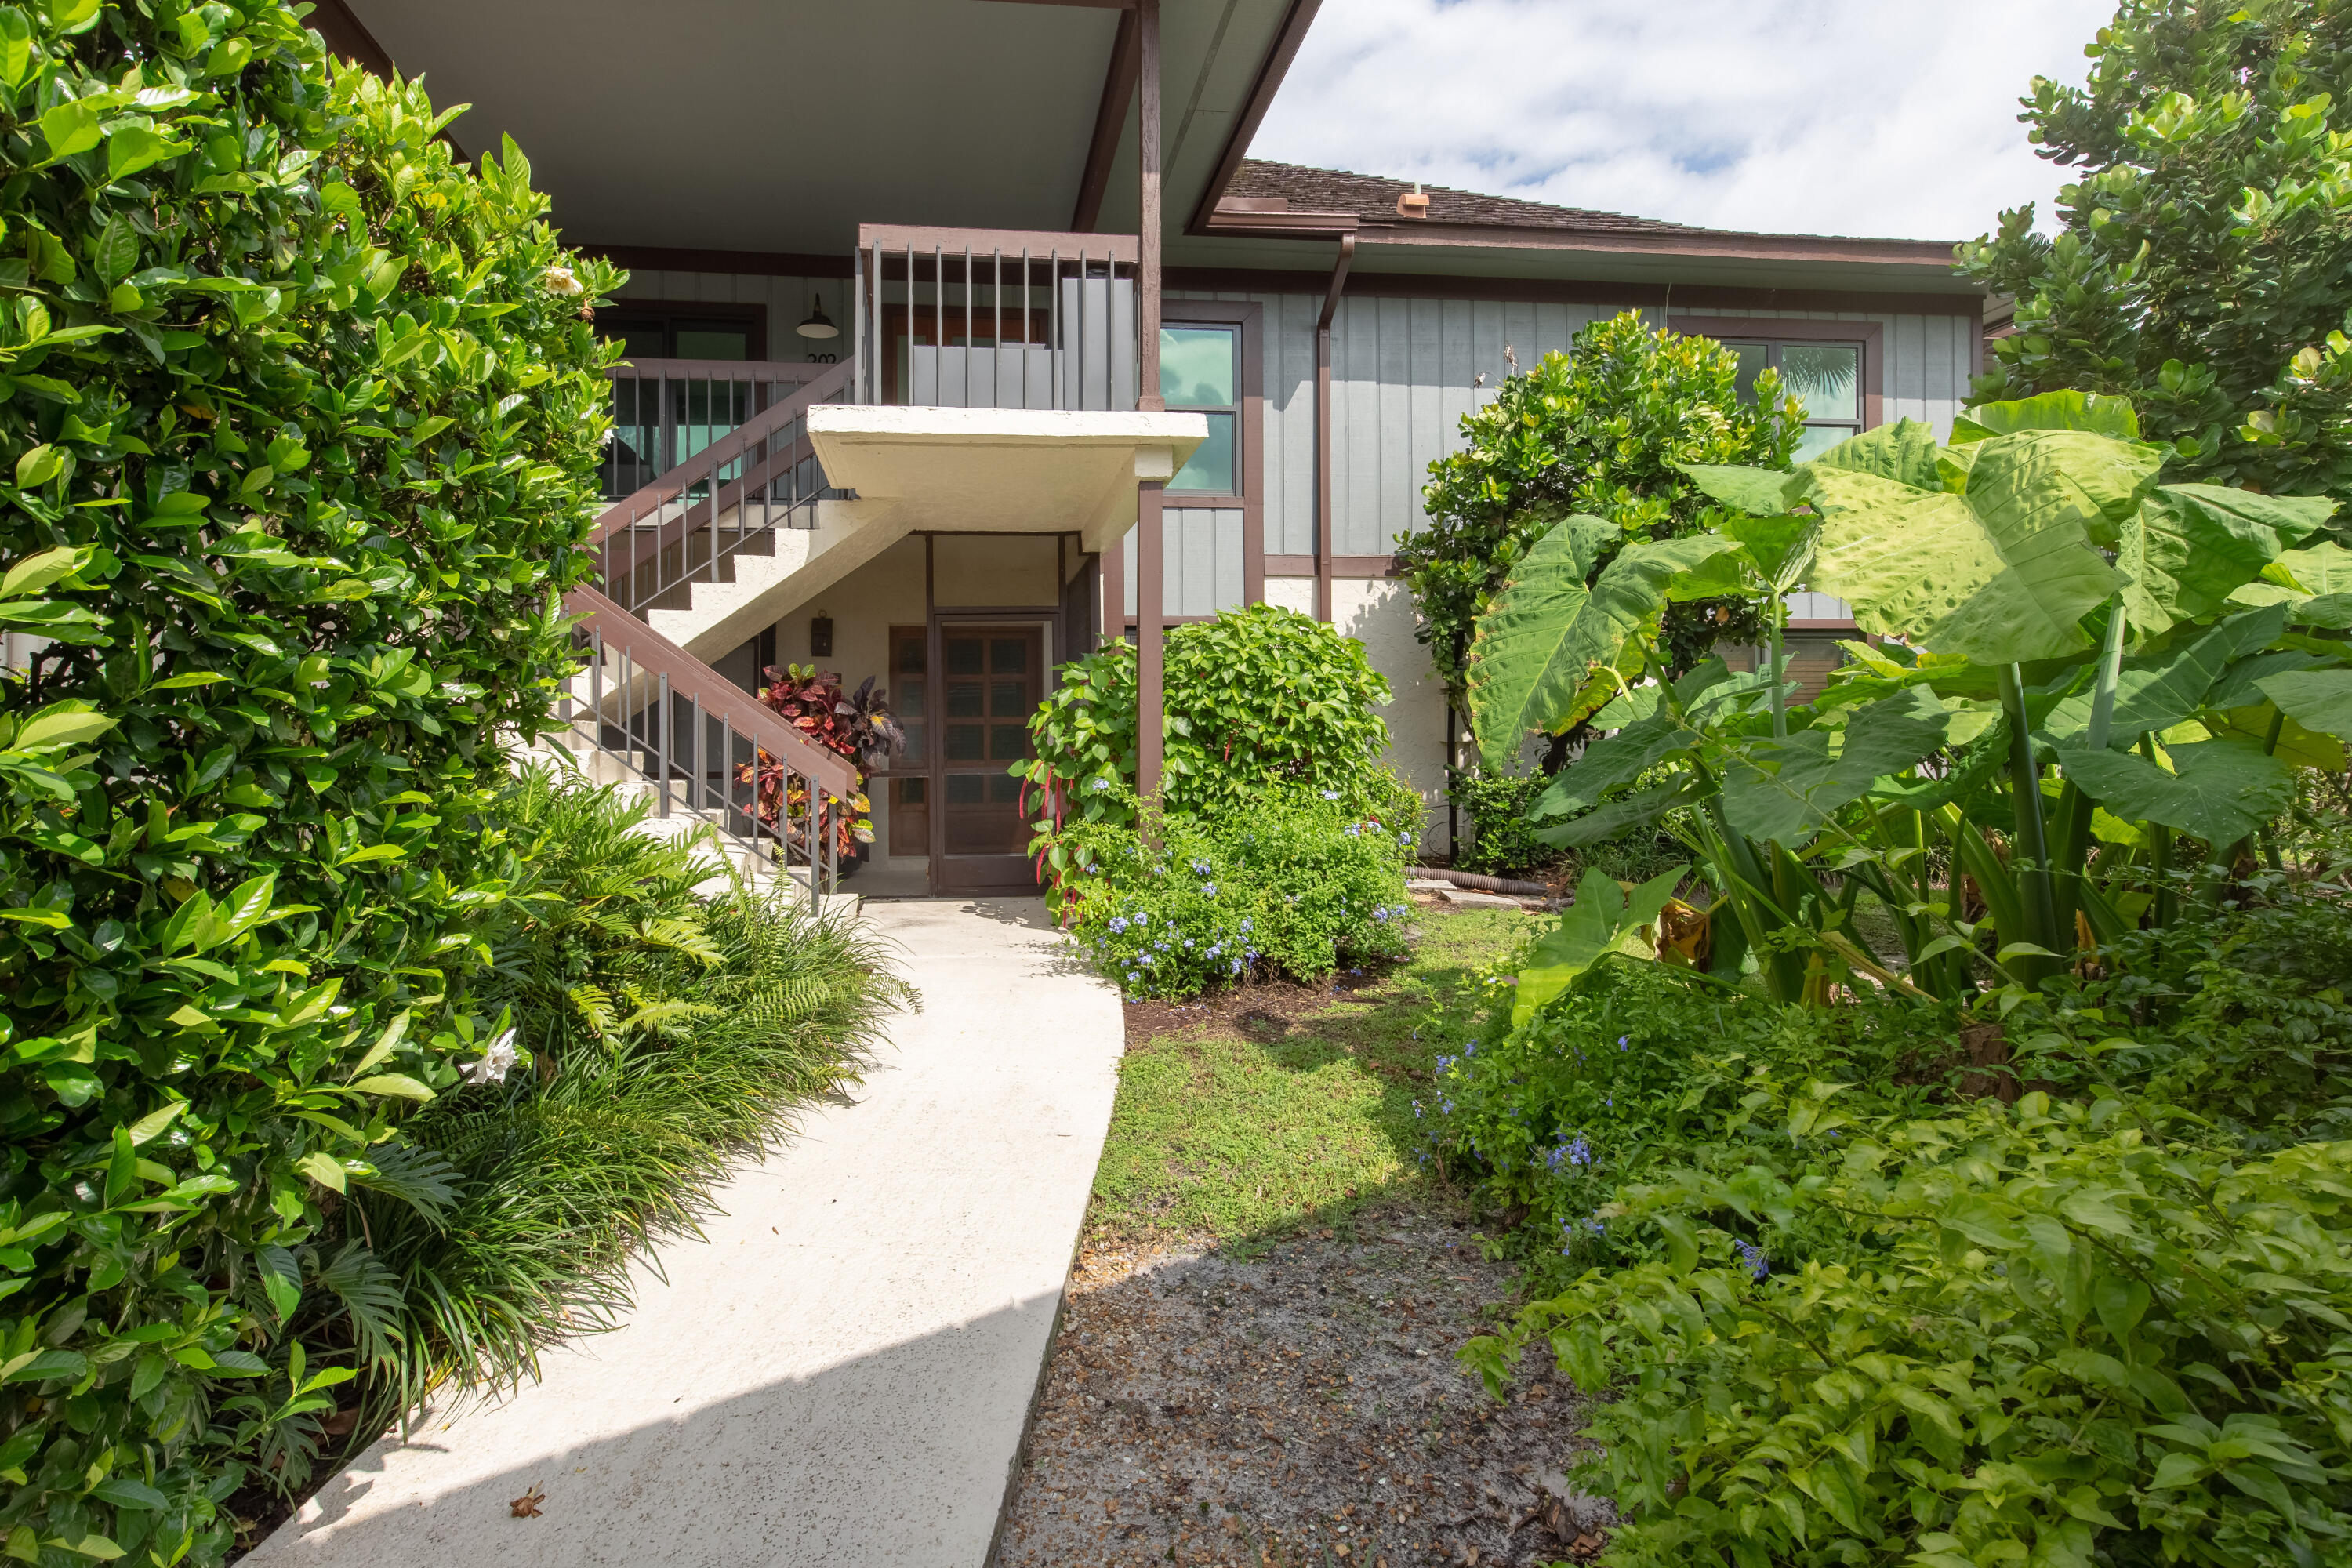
[[1208, 889], [1118, 923], [1245, 925], [1101, 784], [1201, 868], [1758, 1265], [1144, 919], [1353, 828], [1622, 1042], [1132, 977], [1404, 838], [1330, 795]]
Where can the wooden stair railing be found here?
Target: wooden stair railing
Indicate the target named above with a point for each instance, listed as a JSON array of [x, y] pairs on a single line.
[[683, 525], [708, 748]]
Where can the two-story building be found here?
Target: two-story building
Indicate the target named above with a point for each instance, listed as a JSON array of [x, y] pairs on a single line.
[[965, 333]]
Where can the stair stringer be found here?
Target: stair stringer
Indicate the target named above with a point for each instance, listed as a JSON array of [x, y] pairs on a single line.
[[722, 616]]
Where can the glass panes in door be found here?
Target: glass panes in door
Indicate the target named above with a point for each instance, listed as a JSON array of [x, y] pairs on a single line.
[[910, 796], [991, 680]]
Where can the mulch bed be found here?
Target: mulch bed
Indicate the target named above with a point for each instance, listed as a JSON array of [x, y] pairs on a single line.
[[1262, 1010], [1302, 1407]]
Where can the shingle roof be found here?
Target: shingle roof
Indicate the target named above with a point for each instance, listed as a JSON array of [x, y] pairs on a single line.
[[1371, 198]]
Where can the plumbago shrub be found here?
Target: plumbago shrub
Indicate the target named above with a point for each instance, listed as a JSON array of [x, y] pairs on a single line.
[[298, 432], [1295, 885], [1260, 696], [2048, 1333]]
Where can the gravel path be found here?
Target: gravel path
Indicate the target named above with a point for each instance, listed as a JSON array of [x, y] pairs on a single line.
[[1303, 1407]]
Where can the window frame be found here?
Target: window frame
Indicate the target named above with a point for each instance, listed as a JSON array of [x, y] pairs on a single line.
[[751, 318], [1249, 457], [1777, 331]]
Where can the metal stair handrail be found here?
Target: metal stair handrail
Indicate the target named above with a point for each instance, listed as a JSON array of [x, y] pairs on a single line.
[[647, 540], [639, 688]]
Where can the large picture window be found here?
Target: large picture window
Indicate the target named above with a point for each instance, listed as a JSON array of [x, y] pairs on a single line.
[[1833, 367]]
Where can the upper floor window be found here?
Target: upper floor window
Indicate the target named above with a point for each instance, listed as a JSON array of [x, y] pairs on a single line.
[[1200, 373], [1826, 377]]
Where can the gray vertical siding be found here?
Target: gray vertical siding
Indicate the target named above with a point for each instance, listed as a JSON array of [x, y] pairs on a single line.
[[1404, 372], [1201, 561]]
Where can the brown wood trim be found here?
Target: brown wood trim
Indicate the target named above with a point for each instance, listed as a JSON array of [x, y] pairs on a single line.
[[1733, 246], [345, 34], [1871, 335], [1571, 291], [1270, 72], [791, 369], [1283, 224], [925, 239], [1148, 284], [753, 315], [1302, 566], [1821, 626], [750, 263], [722, 697], [1249, 433], [1110, 123]]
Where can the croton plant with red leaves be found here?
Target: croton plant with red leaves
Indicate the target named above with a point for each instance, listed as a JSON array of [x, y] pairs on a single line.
[[857, 725]]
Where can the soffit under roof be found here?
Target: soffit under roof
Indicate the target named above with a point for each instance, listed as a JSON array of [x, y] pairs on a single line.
[[781, 125]]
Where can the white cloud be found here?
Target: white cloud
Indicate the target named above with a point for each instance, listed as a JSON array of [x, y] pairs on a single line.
[[1888, 118]]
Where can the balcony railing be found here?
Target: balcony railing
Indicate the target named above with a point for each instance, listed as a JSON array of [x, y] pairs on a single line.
[[955, 318], [664, 411]]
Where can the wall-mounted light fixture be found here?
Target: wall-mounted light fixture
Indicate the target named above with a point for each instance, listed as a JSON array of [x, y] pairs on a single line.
[[818, 325], [821, 636]]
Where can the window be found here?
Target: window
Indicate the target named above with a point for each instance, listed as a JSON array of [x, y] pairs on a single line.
[[655, 328], [1825, 377], [1200, 373]]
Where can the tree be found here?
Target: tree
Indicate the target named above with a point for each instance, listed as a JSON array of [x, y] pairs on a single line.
[[2204, 265], [1596, 430]]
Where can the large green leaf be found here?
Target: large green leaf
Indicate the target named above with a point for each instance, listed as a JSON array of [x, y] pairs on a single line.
[[1641, 809], [2099, 413], [1785, 791], [1759, 492], [2190, 547], [2316, 698], [2162, 690], [2221, 790], [1780, 548], [1537, 648], [1904, 451], [2320, 571], [1610, 763], [1930, 567], [1602, 920], [2031, 486]]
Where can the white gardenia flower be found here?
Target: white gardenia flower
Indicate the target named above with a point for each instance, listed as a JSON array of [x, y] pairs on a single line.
[[496, 1063], [560, 280]]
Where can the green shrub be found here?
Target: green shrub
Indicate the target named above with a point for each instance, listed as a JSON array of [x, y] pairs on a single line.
[[1606, 1081], [1501, 840], [2045, 1334], [1294, 885], [304, 422], [1258, 696], [1597, 430], [659, 1035]]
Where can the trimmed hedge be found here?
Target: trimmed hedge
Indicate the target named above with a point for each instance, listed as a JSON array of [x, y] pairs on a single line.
[[303, 421]]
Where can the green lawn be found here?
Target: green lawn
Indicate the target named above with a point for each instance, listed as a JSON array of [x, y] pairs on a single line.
[[1248, 1127]]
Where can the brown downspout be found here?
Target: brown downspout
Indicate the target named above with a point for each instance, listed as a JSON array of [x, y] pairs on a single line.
[[1149, 608], [1323, 429]]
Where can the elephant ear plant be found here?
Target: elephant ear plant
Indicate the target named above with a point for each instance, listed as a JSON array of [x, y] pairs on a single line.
[[299, 428], [2084, 668]]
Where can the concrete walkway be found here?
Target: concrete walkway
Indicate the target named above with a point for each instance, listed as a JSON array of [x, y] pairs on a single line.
[[842, 1373]]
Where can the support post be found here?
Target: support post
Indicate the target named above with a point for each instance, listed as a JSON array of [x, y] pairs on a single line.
[[1146, 237], [1150, 597], [1149, 607]]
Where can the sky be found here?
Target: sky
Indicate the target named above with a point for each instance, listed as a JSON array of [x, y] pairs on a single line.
[[1893, 118]]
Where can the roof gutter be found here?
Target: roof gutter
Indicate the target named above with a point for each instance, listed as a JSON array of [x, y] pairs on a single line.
[[1323, 551]]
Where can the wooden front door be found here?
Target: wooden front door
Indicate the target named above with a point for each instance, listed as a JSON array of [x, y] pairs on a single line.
[[990, 679]]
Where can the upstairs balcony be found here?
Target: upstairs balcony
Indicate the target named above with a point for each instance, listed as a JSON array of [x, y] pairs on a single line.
[[950, 318]]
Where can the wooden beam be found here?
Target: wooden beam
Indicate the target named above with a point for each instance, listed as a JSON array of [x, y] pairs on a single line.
[[1150, 601], [1579, 292], [347, 37], [1261, 98], [752, 263], [1324, 552], [1110, 122]]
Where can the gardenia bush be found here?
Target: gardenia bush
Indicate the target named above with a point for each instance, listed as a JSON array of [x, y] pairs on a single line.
[[300, 425], [1297, 886]]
